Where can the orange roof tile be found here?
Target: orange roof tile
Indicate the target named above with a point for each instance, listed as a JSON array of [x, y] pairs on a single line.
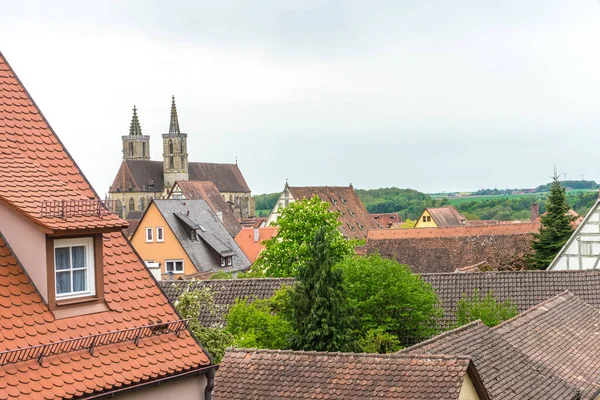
[[251, 248], [455, 231], [34, 165], [133, 299]]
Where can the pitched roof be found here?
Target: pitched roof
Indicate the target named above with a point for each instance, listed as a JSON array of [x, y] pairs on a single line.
[[133, 299], [34, 165], [136, 175], [355, 219], [270, 374], [182, 216], [225, 292], [251, 247], [506, 372], [447, 216], [524, 288], [445, 249], [207, 191], [387, 220], [562, 334]]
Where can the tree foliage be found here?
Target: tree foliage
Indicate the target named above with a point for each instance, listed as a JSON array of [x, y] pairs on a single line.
[[263, 324], [298, 223], [408, 224], [487, 309], [556, 228], [266, 201], [321, 315], [214, 339], [388, 298]]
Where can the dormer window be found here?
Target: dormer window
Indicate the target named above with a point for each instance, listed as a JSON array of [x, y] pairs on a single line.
[[226, 261], [74, 268]]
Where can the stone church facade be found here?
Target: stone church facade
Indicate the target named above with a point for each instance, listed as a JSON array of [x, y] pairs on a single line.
[[140, 179]]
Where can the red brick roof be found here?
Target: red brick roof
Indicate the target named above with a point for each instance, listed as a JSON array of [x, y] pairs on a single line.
[[275, 374], [354, 217], [133, 299], [34, 165], [446, 249]]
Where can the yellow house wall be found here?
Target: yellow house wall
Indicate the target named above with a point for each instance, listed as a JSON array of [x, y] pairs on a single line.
[[170, 249], [468, 392], [421, 224]]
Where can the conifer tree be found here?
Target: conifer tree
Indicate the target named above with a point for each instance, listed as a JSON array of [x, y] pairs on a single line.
[[556, 228], [321, 312]]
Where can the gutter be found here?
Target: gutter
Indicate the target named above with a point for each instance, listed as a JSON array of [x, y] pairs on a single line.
[[208, 371]]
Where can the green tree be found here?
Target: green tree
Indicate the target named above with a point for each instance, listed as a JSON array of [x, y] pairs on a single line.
[[387, 297], [262, 324], [487, 309], [408, 224], [298, 223], [320, 310], [214, 339], [556, 228]]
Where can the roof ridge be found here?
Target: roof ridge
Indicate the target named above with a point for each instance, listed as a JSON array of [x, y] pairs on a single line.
[[351, 354], [462, 328], [526, 271], [551, 302]]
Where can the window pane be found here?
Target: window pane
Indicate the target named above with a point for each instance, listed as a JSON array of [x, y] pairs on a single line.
[[169, 266], [160, 233], [179, 266], [63, 282], [79, 279], [61, 258], [78, 259]]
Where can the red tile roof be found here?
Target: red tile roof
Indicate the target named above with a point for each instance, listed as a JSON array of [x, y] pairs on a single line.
[[251, 248], [133, 299], [276, 374], [354, 217], [388, 220], [34, 165], [446, 249]]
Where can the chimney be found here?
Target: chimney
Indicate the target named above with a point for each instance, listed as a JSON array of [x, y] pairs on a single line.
[[256, 235], [535, 211], [220, 215]]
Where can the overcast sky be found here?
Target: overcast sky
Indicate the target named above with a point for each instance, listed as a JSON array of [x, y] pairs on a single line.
[[432, 95]]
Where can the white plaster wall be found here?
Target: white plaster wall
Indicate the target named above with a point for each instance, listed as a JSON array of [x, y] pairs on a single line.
[[179, 389], [28, 243], [468, 392]]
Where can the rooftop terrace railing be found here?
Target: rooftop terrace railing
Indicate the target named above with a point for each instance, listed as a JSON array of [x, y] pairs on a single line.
[[76, 208]]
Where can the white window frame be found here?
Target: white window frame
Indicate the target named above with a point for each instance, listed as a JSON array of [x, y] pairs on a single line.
[[160, 237], [151, 238], [229, 261], [88, 243], [174, 270], [223, 262]]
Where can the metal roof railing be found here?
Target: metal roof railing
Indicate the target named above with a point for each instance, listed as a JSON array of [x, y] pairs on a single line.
[[89, 343], [77, 208]]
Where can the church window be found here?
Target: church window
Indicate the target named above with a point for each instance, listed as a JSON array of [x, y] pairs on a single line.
[[143, 149], [131, 149], [119, 209], [142, 204], [131, 204], [170, 146], [181, 147], [171, 165]]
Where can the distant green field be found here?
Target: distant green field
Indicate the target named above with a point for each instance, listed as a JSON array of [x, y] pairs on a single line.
[[543, 195]]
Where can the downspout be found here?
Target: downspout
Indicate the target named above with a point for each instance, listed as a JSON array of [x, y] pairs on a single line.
[[210, 383]]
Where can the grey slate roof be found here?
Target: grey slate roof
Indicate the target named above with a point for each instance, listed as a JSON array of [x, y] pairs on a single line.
[[525, 288], [561, 333], [506, 372], [214, 241], [225, 292]]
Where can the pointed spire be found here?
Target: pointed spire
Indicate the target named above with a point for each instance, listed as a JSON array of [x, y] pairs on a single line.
[[135, 129], [174, 125]]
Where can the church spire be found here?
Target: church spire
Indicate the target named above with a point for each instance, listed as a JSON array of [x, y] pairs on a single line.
[[135, 129], [174, 125]]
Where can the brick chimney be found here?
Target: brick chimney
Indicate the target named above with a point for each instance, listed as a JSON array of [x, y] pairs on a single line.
[[535, 211]]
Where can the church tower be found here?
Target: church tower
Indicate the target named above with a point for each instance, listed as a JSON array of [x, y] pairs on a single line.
[[135, 145], [175, 156]]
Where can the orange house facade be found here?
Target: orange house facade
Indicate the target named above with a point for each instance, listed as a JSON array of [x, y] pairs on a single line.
[[156, 243]]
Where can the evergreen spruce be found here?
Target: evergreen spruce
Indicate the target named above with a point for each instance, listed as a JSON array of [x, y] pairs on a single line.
[[321, 313], [556, 228]]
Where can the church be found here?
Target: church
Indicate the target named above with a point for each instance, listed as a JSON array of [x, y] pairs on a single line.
[[141, 179]]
